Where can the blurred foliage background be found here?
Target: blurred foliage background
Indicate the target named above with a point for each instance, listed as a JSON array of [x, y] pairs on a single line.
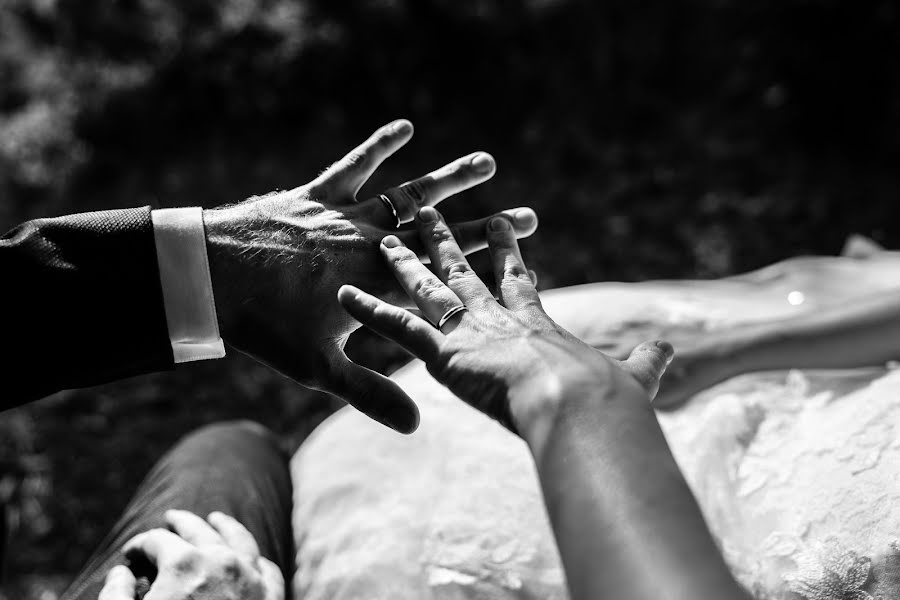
[[655, 139]]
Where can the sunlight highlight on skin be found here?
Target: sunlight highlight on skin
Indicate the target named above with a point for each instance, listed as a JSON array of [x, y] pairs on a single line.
[[796, 298]]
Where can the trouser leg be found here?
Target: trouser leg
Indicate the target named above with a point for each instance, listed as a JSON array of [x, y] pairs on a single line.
[[236, 468]]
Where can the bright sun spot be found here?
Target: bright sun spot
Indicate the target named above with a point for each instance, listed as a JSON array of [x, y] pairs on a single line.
[[795, 298]]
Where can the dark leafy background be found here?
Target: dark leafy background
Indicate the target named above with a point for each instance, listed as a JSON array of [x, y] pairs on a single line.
[[666, 139]]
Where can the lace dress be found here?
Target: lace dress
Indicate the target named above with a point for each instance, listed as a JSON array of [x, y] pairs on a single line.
[[797, 473], [798, 476]]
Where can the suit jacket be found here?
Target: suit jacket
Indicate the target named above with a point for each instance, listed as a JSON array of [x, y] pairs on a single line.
[[80, 303]]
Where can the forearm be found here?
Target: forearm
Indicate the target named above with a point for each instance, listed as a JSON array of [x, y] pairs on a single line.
[[865, 332], [82, 305], [626, 524]]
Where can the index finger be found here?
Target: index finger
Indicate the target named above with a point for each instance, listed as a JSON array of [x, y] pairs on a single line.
[[158, 545], [424, 288], [352, 171]]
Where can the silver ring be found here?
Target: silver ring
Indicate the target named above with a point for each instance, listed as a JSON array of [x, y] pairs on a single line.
[[450, 314], [391, 207]]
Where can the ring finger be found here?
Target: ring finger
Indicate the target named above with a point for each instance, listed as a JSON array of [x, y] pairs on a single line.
[[514, 282], [453, 178], [428, 292]]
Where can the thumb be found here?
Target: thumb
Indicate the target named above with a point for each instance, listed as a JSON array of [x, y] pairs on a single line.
[[372, 394], [648, 362], [120, 584]]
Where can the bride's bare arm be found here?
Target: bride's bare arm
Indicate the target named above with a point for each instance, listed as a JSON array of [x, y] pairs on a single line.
[[864, 332], [626, 524]]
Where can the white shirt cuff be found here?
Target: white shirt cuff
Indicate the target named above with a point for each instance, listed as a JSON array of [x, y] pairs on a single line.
[[186, 284]]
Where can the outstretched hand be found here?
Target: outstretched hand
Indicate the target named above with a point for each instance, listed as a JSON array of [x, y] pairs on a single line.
[[505, 357], [277, 261]]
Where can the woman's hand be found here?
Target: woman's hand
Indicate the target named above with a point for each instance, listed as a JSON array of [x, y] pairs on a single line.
[[622, 514], [217, 559], [505, 357], [277, 261]]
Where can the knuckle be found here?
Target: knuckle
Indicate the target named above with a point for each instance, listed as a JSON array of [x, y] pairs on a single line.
[[481, 303], [382, 311], [355, 159], [428, 286], [440, 234], [458, 169], [515, 272], [186, 562], [403, 256], [383, 138], [379, 135], [231, 566], [320, 191], [405, 319], [534, 307], [459, 271]]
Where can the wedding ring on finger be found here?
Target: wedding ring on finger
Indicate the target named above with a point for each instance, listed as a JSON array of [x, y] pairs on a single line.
[[387, 202], [450, 314]]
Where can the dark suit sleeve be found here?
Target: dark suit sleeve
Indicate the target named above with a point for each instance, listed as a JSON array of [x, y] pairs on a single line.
[[80, 303]]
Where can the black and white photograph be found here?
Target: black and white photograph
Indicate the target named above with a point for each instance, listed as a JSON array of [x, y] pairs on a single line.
[[450, 300]]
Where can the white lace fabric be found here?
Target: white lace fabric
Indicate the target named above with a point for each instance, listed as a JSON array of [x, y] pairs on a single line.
[[798, 476], [797, 473]]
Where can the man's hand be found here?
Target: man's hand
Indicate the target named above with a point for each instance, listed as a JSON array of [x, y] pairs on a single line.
[[214, 560], [277, 262]]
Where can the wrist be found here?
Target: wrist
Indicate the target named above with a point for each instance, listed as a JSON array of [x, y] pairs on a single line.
[[552, 405], [222, 270]]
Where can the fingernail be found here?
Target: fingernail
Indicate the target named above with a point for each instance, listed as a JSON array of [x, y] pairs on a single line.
[[405, 422], [499, 224], [667, 348], [401, 126], [482, 163], [524, 216], [428, 215], [391, 241]]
